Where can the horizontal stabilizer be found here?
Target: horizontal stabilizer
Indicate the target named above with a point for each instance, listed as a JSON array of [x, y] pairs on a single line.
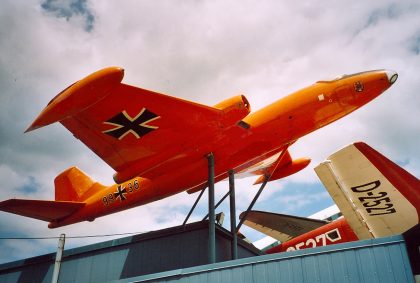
[[280, 226], [41, 209]]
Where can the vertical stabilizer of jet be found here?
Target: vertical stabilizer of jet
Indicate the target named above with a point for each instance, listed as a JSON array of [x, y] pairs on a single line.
[[74, 185]]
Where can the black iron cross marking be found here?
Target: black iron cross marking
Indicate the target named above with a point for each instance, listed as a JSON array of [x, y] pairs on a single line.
[[120, 193], [124, 124]]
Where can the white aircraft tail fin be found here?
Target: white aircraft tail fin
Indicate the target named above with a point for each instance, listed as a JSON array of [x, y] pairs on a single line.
[[377, 197]]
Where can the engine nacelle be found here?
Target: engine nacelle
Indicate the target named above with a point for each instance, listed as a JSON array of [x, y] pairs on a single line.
[[234, 109]]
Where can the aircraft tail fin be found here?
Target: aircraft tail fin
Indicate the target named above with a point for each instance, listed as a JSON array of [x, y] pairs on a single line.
[[41, 209], [74, 185], [376, 196]]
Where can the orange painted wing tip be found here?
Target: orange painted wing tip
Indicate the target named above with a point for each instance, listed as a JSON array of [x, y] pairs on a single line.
[[32, 127], [69, 101], [36, 124]]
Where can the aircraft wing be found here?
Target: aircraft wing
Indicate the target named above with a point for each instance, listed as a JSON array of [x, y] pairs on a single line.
[[377, 197], [280, 226], [41, 209], [277, 166], [133, 129]]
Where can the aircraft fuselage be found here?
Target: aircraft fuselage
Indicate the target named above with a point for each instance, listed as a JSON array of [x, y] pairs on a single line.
[[258, 136]]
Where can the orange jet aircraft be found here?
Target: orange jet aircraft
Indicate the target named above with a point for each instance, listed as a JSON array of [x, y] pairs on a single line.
[[158, 144]]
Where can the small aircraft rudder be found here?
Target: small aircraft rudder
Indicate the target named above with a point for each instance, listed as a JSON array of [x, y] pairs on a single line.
[[403, 181], [73, 185]]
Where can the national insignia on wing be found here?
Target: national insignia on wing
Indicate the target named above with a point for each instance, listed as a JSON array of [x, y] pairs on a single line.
[[123, 124]]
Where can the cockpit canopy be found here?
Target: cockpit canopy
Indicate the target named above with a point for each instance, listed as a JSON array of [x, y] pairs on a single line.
[[346, 76], [336, 78]]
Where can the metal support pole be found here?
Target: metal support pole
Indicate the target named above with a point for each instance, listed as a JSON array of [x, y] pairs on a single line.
[[266, 178], [56, 272], [217, 204], [234, 245], [193, 207], [212, 218]]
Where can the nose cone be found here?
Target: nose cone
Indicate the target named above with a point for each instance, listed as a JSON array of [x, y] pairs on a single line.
[[392, 76]]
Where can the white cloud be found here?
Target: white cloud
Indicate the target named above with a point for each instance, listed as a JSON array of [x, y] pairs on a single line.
[[204, 51]]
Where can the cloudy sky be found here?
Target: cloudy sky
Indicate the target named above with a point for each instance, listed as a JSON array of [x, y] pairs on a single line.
[[204, 51]]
